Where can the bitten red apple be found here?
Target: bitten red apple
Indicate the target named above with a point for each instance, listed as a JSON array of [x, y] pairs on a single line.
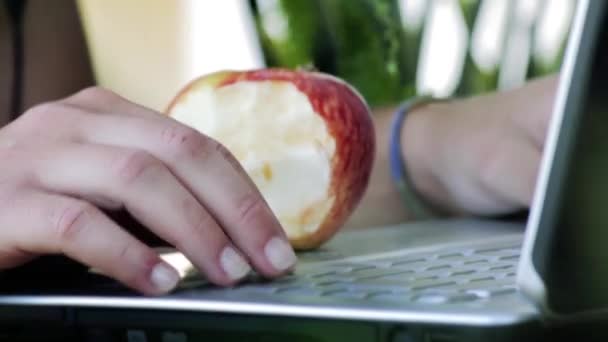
[[305, 138]]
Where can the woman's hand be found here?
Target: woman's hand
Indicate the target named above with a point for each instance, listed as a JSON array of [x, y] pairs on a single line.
[[64, 163], [480, 155]]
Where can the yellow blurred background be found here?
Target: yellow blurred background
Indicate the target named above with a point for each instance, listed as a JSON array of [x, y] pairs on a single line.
[[147, 49]]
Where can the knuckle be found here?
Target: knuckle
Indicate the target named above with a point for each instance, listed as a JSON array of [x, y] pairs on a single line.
[[39, 115], [227, 156], [222, 151], [95, 93], [185, 142], [73, 219], [10, 153], [14, 183], [10, 193], [249, 207], [134, 164]]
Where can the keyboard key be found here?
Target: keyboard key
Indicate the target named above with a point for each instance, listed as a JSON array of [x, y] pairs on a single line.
[[379, 273], [322, 274], [391, 296], [475, 261], [265, 289], [451, 256], [331, 278], [463, 297], [374, 287], [409, 262], [331, 282], [438, 267], [501, 267], [432, 285], [486, 283], [514, 257], [399, 261], [318, 255], [346, 267], [463, 272], [499, 252], [431, 298], [406, 278], [299, 291], [345, 294], [480, 276], [425, 278], [482, 279], [498, 247]]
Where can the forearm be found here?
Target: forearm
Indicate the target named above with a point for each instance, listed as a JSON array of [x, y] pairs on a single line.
[[454, 150]]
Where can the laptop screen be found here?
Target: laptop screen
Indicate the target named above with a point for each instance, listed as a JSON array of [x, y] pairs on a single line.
[[570, 247]]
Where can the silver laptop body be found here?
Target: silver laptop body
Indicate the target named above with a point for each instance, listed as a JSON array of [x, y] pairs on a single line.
[[451, 279]]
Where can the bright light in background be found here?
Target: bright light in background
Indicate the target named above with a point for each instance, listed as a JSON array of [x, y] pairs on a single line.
[[489, 32], [223, 36], [412, 13], [518, 47], [179, 261], [274, 21], [443, 49], [552, 27], [527, 10]]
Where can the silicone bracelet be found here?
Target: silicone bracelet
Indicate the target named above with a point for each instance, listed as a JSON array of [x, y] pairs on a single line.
[[415, 204]]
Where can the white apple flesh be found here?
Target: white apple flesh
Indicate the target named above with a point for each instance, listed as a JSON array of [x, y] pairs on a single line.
[[288, 129]]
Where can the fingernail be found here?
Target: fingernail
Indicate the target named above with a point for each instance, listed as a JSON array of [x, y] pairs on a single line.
[[233, 264], [164, 277], [280, 254]]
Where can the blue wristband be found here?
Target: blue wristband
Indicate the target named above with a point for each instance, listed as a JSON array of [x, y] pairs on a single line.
[[416, 206]]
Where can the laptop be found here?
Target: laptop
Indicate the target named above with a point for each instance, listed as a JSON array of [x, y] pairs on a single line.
[[434, 281]]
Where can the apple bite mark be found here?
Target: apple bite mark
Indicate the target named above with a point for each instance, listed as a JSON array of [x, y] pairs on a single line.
[[306, 139]]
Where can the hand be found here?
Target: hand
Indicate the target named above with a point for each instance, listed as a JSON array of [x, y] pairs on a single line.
[[65, 162], [480, 155]]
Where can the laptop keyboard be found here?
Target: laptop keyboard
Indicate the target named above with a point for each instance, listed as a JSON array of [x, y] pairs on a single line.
[[454, 276]]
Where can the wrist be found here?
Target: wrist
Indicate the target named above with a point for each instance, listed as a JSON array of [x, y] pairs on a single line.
[[421, 152], [410, 165]]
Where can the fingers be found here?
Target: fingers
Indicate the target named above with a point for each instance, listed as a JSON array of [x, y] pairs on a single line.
[[151, 193], [44, 223], [212, 175], [100, 100], [184, 186]]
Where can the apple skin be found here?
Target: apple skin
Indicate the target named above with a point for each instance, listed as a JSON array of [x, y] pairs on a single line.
[[348, 120]]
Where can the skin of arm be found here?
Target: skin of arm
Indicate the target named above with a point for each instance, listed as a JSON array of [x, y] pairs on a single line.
[[480, 155]]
